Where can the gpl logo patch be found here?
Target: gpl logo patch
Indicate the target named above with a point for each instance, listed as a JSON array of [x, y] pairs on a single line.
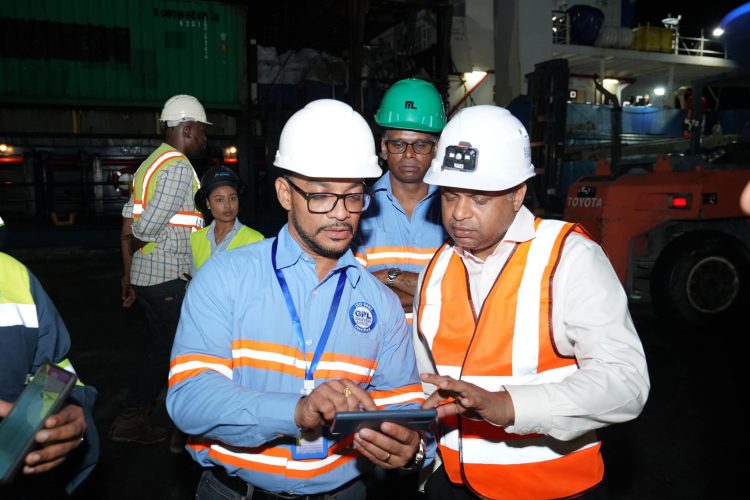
[[363, 317]]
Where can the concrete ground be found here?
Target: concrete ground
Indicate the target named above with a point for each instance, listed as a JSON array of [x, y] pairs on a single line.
[[681, 447]]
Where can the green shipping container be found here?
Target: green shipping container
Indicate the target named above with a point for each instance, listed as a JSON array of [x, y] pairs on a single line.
[[134, 53]]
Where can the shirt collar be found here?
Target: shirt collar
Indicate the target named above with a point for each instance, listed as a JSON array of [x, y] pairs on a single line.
[[289, 253], [520, 230], [384, 183], [235, 227]]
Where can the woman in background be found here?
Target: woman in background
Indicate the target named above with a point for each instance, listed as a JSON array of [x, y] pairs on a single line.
[[219, 200]]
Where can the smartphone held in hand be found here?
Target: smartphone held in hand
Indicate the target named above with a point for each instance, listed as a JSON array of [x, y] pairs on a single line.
[[43, 396]]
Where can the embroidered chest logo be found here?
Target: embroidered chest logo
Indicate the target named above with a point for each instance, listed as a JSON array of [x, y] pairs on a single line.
[[363, 317]]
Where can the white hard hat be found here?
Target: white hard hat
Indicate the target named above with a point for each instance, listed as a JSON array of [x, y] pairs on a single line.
[[327, 138], [183, 108], [484, 148]]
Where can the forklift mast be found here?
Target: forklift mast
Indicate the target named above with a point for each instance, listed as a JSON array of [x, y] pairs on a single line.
[[548, 93]]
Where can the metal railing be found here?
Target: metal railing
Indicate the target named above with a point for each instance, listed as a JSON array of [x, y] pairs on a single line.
[[680, 45]]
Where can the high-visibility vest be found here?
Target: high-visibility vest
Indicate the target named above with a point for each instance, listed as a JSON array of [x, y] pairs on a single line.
[[17, 306], [510, 342], [201, 247], [144, 185]]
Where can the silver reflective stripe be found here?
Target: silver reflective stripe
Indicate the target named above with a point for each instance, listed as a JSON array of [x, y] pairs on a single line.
[[18, 314]]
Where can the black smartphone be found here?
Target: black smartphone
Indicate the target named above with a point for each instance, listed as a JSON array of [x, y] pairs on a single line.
[[349, 422], [41, 397]]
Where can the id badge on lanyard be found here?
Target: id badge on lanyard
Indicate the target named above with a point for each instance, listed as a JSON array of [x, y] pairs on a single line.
[[309, 446]]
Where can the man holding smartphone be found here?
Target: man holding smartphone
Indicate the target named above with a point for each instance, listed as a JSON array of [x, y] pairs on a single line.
[[31, 334], [277, 337]]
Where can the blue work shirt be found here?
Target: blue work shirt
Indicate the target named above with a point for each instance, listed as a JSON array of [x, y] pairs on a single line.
[[389, 238], [238, 368]]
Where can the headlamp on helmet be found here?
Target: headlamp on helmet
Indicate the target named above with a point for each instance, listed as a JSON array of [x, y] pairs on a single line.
[[462, 157]]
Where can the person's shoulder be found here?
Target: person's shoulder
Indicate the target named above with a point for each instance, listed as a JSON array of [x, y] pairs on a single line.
[[179, 163], [238, 265], [8, 261], [13, 269], [252, 233], [197, 236], [259, 251]]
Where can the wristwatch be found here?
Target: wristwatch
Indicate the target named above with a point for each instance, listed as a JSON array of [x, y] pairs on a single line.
[[393, 273], [418, 460]]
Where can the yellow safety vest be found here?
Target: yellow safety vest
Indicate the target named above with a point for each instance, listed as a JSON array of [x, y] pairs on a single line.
[[201, 247], [144, 185], [17, 305]]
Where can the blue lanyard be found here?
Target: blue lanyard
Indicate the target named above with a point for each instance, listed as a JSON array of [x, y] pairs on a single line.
[[297, 325]]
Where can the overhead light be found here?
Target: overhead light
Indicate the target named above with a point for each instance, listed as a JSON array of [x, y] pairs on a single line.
[[659, 91], [474, 77], [610, 81], [3, 148], [718, 32]]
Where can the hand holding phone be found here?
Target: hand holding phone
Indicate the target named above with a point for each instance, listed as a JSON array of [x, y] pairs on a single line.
[[41, 398]]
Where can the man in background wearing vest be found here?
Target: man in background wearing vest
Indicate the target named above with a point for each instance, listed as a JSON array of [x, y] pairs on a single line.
[[164, 216], [521, 325], [402, 229]]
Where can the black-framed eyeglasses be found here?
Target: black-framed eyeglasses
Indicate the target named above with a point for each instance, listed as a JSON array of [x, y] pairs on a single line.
[[322, 203], [420, 146]]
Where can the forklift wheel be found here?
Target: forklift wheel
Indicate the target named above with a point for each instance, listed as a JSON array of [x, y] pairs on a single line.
[[699, 283]]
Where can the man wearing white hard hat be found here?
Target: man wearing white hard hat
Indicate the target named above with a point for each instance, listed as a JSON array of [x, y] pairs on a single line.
[[278, 336], [163, 216], [523, 336]]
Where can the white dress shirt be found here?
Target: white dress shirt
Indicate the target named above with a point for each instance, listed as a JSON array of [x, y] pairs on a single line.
[[590, 321]]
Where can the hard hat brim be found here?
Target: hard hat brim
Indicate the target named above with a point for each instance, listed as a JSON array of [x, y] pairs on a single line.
[[465, 180]]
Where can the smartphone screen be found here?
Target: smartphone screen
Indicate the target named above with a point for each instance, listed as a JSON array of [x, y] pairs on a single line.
[[41, 397]]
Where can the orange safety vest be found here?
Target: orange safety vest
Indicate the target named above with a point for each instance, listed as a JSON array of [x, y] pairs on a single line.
[[510, 342], [144, 185]]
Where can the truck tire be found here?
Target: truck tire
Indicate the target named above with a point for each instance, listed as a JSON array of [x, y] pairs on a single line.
[[701, 282]]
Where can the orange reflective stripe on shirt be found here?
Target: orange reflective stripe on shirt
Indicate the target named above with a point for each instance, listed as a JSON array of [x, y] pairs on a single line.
[[278, 460], [186, 366], [395, 255]]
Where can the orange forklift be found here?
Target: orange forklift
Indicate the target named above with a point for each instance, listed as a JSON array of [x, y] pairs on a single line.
[[675, 238], [673, 229]]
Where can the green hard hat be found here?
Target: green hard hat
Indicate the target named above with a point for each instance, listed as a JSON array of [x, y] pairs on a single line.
[[412, 104]]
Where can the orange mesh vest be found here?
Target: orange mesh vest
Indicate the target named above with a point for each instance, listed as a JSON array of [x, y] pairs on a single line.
[[509, 342]]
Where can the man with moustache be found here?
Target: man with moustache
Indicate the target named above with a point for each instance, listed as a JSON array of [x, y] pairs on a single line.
[[402, 229], [278, 336], [522, 329]]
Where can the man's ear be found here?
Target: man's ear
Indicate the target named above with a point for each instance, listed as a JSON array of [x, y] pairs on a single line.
[[283, 193], [383, 150], [187, 131], [518, 196]]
